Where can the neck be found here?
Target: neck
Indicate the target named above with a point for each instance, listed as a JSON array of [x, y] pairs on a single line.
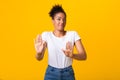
[[59, 33]]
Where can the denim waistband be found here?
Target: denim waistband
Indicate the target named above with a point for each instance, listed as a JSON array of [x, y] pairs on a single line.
[[53, 73], [60, 69]]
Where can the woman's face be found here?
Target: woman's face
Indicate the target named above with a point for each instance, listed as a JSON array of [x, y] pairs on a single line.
[[59, 21]]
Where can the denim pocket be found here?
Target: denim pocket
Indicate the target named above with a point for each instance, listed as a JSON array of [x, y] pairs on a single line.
[[50, 70], [71, 71]]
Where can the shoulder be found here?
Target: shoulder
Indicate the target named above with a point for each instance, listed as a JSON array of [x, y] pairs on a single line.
[[46, 33], [72, 32]]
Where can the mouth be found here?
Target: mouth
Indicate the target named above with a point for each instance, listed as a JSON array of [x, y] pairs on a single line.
[[61, 25]]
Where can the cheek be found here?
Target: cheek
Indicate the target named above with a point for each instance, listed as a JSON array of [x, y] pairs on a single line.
[[56, 23]]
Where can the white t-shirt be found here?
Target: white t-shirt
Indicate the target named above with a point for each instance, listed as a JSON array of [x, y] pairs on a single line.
[[56, 57]]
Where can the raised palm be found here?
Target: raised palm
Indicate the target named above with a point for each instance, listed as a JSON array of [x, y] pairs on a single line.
[[39, 44], [69, 50]]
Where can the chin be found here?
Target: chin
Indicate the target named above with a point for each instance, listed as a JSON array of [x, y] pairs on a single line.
[[61, 28]]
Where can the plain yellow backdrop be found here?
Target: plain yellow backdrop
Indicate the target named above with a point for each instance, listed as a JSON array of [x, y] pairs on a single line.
[[96, 21]]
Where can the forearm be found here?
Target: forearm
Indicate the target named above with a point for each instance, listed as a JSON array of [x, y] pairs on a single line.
[[39, 56], [79, 56]]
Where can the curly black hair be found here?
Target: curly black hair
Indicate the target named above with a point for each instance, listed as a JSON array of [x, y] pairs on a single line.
[[56, 9]]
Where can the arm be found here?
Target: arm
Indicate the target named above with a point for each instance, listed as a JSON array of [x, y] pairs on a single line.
[[40, 47], [39, 55], [81, 55]]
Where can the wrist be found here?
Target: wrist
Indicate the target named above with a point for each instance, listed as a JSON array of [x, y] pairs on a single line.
[[39, 53], [72, 55]]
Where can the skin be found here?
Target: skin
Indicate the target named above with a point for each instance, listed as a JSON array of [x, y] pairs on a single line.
[[59, 22]]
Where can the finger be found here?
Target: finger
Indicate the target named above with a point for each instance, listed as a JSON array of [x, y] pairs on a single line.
[[68, 45], [39, 39], [65, 52], [44, 43]]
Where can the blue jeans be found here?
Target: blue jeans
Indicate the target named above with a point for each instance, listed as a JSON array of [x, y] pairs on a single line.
[[59, 74]]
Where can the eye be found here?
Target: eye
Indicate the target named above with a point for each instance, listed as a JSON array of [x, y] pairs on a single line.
[[58, 19]]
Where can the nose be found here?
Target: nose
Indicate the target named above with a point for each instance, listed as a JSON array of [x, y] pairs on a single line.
[[62, 21]]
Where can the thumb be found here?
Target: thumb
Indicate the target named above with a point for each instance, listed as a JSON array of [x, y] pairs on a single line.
[[44, 43]]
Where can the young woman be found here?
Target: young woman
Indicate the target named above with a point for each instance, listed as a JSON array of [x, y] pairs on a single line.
[[60, 45]]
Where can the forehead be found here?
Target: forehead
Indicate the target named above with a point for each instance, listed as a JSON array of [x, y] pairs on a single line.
[[60, 15]]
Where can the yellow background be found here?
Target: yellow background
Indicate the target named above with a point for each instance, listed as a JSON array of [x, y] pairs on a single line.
[[96, 21]]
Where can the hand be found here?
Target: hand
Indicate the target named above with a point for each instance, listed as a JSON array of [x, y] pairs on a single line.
[[40, 45], [69, 50]]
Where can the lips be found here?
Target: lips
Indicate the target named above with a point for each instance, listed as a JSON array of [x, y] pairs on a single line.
[[61, 25]]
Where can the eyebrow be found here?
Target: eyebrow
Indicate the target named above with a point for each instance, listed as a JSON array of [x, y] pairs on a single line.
[[59, 17]]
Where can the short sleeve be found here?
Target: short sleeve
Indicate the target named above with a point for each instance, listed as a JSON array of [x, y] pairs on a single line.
[[76, 36], [44, 36]]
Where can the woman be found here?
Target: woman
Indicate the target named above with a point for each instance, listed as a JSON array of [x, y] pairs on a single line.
[[60, 45]]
